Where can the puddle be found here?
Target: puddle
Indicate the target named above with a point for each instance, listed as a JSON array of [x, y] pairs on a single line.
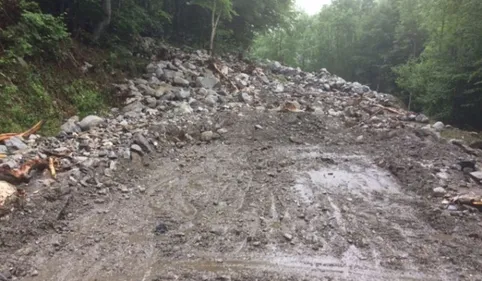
[[352, 175], [355, 178]]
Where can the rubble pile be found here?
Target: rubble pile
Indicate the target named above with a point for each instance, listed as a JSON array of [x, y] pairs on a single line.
[[180, 90]]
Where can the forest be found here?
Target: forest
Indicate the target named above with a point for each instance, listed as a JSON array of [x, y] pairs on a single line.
[[427, 52]]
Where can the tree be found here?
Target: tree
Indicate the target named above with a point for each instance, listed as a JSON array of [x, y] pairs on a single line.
[[107, 9], [219, 9]]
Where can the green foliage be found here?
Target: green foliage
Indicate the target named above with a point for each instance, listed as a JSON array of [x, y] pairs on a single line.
[[85, 97], [224, 8], [428, 52], [39, 60], [35, 34], [25, 103]]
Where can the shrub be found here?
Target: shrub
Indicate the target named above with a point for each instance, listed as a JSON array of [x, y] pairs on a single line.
[[35, 34]]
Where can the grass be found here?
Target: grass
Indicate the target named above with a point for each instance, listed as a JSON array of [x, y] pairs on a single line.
[[454, 133], [54, 91]]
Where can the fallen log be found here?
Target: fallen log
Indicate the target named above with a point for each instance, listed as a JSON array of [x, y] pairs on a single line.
[[31, 131], [22, 174], [216, 67]]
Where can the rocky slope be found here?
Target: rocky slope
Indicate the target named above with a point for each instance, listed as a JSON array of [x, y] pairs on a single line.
[[188, 108]]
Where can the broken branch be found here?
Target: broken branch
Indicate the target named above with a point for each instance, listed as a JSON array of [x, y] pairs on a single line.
[[31, 131], [215, 66], [22, 174]]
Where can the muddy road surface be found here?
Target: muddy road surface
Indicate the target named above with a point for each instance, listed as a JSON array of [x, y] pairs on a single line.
[[278, 196]]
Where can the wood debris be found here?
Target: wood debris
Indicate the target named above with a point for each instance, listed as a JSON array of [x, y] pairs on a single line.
[[218, 70], [468, 200], [22, 174], [31, 131]]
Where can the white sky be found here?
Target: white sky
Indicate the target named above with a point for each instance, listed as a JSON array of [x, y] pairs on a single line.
[[311, 7]]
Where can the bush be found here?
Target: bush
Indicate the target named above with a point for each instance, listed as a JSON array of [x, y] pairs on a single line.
[[35, 34], [26, 103], [85, 97]]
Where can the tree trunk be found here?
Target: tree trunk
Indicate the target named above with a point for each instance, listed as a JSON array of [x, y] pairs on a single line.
[[213, 34], [107, 7], [409, 101]]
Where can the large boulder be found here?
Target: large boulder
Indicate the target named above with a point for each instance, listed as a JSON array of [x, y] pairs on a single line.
[[275, 66], [208, 82], [90, 121], [71, 125], [16, 143], [8, 197], [180, 82], [438, 126]]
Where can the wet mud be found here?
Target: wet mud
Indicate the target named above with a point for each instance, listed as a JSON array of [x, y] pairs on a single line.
[[298, 199]]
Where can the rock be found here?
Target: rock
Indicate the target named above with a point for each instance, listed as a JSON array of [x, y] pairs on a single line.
[[334, 113], [8, 196], [169, 75], [222, 131], [288, 236], [209, 82], [112, 155], [71, 125], [438, 126], [242, 80], [211, 100], [359, 88], [181, 82], [126, 153], [279, 88], [162, 89], [153, 82], [5, 276], [439, 191], [15, 143], [182, 94], [421, 118], [3, 149], [140, 81], [159, 72], [359, 139], [151, 68], [143, 142], [258, 127], [292, 106], [245, 97], [207, 136], [151, 102], [161, 228], [133, 107], [89, 122], [183, 108], [477, 175], [275, 66], [136, 148]]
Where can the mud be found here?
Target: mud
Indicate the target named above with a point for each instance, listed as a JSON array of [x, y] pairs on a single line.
[[299, 199]]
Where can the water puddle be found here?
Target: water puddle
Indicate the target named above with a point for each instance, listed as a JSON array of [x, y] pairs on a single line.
[[353, 174], [353, 178]]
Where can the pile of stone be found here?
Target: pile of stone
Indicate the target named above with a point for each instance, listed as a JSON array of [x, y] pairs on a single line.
[[187, 87]]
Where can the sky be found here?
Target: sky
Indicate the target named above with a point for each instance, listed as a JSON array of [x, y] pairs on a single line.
[[311, 7]]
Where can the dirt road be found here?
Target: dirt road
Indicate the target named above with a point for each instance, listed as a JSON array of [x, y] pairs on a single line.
[[280, 196]]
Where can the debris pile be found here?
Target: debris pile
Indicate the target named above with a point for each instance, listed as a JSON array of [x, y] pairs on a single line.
[[179, 90]]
